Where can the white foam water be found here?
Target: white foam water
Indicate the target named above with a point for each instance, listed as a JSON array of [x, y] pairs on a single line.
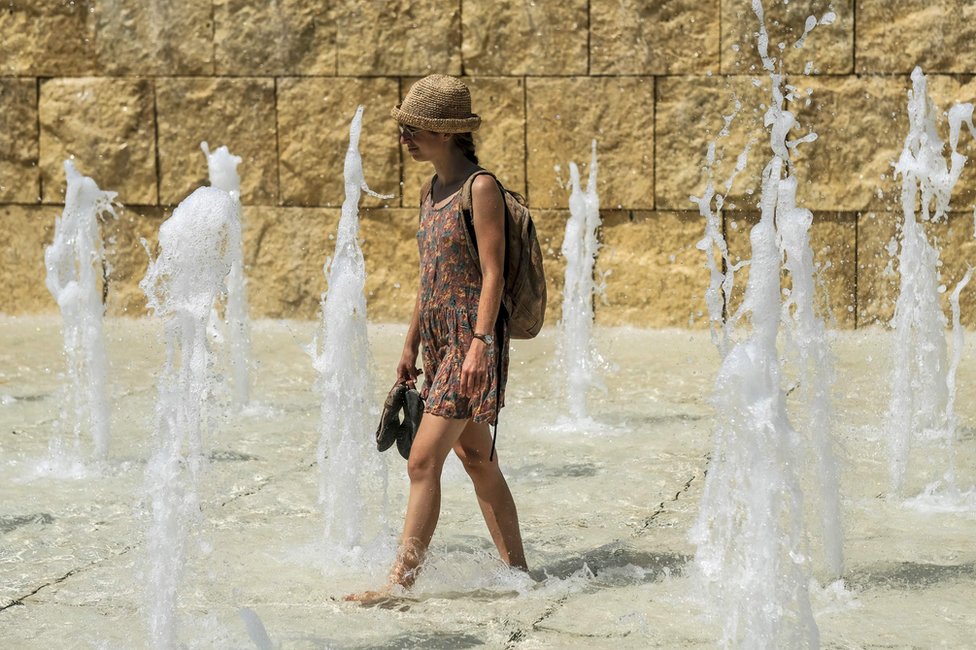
[[182, 285], [752, 562], [350, 469], [74, 267], [580, 245], [919, 392], [814, 364], [721, 270], [222, 167]]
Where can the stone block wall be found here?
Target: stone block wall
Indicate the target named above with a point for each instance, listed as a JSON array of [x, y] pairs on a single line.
[[129, 89]]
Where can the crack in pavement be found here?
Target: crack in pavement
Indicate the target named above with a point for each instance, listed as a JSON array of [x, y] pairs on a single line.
[[661, 508], [520, 634], [20, 600]]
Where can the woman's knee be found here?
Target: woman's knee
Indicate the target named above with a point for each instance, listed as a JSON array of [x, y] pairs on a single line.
[[422, 467], [476, 463]]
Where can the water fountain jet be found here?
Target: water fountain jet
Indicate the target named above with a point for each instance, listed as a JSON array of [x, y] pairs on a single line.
[[580, 245], [74, 266], [346, 458]]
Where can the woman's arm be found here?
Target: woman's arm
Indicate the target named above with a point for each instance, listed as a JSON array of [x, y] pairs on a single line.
[[488, 213], [407, 371]]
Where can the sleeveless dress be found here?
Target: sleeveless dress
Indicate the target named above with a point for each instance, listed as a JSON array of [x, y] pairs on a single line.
[[450, 286]]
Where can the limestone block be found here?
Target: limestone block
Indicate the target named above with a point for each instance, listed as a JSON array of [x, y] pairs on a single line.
[[689, 115], [956, 241], [236, 112], [563, 117], [879, 243], [286, 37], [829, 49], [127, 259], [401, 37], [861, 124], [877, 264], [389, 241], [313, 135], [28, 229], [500, 141], [935, 34], [47, 38], [135, 37], [655, 277], [285, 250], [106, 125], [550, 227], [833, 240], [19, 175], [631, 37], [520, 38]]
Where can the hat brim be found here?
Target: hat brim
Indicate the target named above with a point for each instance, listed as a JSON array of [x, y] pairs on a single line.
[[465, 125]]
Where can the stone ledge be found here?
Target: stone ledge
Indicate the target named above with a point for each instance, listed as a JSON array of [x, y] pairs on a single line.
[[285, 250], [655, 277], [29, 229], [878, 279], [835, 242]]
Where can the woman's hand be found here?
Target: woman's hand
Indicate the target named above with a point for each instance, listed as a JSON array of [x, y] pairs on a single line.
[[407, 370], [474, 370]]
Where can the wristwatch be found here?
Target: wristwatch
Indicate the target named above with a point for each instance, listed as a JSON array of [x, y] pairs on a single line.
[[487, 338]]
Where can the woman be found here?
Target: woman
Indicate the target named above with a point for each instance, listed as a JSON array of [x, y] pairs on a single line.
[[455, 319]]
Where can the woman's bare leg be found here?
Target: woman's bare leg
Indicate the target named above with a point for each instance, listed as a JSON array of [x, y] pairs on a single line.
[[430, 448], [497, 505]]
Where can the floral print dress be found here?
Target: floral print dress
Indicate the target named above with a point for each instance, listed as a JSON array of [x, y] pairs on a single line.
[[450, 286]]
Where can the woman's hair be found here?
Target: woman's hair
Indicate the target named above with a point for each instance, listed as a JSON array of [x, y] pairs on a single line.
[[465, 142]]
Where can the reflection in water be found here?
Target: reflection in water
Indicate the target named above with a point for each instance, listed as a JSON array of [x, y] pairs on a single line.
[[909, 575], [13, 522]]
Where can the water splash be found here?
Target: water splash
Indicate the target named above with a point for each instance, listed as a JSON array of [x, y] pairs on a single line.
[[808, 336], [348, 463], [946, 495], [74, 267], [721, 269], [751, 559], [181, 286], [222, 167], [579, 249], [918, 399]]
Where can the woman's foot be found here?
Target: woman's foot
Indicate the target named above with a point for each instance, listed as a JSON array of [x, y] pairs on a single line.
[[402, 576], [372, 598]]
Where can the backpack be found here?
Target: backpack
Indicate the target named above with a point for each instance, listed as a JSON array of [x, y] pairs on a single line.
[[524, 294]]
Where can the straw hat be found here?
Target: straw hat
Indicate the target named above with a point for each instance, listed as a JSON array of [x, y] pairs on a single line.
[[438, 103]]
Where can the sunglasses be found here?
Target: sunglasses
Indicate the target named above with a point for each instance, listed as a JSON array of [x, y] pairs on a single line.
[[408, 132]]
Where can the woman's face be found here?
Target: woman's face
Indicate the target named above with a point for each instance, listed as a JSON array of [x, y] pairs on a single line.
[[421, 144]]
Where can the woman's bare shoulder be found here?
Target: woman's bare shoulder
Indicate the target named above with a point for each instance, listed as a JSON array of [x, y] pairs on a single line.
[[484, 188]]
